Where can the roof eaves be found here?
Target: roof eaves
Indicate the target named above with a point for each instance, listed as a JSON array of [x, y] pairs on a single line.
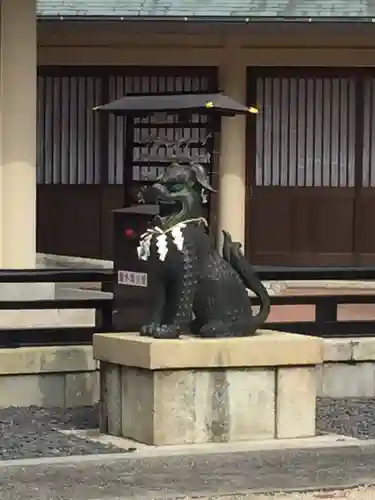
[[207, 19]]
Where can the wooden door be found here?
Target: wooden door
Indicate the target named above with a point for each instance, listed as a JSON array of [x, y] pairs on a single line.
[[302, 167], [365, 181]]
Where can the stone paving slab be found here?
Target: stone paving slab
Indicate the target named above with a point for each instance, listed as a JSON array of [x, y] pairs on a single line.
[[352, 494], [179, 477]]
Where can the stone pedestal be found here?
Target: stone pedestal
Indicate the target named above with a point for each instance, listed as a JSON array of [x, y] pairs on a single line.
[[192, 390]]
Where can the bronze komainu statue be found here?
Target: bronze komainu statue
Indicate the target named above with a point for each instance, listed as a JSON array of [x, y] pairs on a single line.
[[194, 289]]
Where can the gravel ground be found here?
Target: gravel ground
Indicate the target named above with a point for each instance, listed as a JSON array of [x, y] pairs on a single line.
[[34, 432], [350, 417]]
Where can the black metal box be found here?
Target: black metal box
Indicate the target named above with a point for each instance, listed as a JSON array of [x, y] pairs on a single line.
[[131, 290]]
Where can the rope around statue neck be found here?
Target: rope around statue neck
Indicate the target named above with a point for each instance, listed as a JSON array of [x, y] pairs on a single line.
[[184, 223], [144, 247]]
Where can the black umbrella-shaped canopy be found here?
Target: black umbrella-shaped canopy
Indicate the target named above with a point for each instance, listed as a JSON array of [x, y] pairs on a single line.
[[191, 103]]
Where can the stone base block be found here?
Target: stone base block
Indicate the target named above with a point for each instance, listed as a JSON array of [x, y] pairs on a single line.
[[48, 376], [349, 368], [26, 291], [190, 390]]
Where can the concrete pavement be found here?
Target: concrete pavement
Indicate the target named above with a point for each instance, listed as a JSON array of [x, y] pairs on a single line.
[[220, 475]]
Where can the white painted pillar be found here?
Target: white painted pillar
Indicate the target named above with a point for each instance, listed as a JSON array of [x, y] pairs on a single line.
[[232, 165], [18, 95]]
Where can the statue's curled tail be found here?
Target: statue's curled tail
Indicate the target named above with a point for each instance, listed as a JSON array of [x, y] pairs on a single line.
[[233, 255]]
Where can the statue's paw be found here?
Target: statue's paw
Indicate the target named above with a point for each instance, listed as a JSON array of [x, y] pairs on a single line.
[[166, 332]]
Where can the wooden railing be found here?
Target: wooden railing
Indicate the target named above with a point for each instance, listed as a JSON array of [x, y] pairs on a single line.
[[56, 335], [325, 324]]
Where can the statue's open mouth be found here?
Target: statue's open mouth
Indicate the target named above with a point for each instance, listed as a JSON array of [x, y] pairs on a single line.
[[169, 208], [169, 205]]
